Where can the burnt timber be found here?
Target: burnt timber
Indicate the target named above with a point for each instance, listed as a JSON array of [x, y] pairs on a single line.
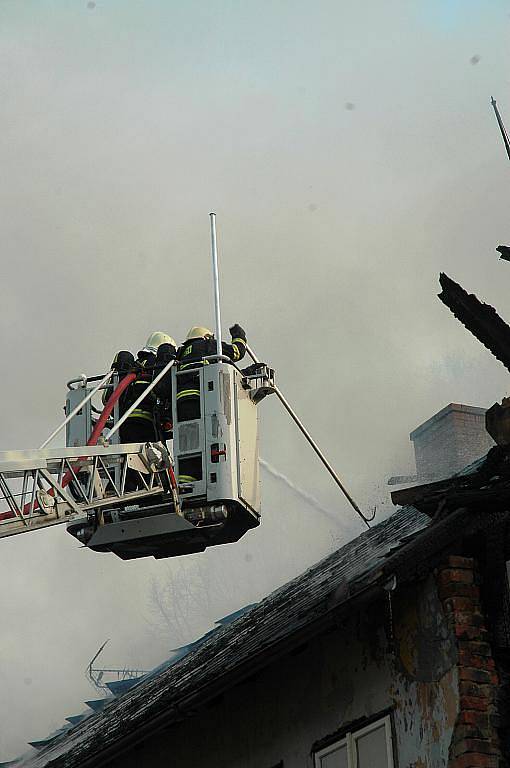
[[479, 318]]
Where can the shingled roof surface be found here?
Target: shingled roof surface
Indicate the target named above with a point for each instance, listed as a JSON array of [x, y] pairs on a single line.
[[235, 646]]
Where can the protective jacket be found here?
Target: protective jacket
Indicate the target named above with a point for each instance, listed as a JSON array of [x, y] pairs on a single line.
[[195, 350], [163, 391], [166, 353], [143, 378]]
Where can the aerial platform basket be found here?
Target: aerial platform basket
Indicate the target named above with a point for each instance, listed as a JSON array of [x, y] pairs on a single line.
[[215, 456]]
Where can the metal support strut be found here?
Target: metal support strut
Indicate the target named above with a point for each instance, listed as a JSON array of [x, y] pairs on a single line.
[[315, 447]]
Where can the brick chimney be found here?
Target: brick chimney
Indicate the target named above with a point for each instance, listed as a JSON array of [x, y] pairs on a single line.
[[450, 440]]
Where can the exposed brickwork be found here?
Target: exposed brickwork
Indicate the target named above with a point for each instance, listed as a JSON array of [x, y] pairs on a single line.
[[475, 743]]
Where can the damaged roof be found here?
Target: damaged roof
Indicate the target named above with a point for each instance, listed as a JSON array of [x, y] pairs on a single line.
[[484, 482], [240, 645]]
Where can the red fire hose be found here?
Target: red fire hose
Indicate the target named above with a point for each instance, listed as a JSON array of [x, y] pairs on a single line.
[[94, 437]]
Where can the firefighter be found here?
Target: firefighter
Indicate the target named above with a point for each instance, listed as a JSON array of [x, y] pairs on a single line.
[[200, 343], [139, 426], [163, 391]]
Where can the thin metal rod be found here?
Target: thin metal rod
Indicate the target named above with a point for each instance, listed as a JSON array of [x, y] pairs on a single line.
[[502, 128], [9, 497], [313, 444], [80, 405], [137, 402], [216, 280]]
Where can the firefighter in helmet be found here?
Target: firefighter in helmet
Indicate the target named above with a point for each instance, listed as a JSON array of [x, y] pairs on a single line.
[[200, 343], [140, 426], [163, 390]]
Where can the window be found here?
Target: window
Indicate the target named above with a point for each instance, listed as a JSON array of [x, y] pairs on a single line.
[[368, 747]]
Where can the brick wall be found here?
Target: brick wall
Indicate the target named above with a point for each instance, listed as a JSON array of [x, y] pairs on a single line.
[[475, 742]]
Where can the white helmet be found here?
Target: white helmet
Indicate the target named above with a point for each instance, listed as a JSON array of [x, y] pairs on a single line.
[[198, 332], [156, 339]]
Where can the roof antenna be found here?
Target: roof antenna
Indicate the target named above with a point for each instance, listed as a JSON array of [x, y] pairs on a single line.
[[502, 128]]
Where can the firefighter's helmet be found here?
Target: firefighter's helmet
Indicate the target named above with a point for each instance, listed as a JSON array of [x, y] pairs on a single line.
[[156, 339], [197, 332]]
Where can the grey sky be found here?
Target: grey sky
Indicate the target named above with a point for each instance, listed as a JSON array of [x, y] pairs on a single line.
[[350, 152]]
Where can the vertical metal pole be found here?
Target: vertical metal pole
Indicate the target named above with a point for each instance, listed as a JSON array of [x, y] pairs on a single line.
[[216, 279]]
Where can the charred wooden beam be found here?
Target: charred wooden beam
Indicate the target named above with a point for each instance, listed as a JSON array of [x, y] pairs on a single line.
[[480, 319], [504, 251]]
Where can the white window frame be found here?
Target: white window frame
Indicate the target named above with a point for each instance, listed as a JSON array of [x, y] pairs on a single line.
[[350, 741], [332, 748]]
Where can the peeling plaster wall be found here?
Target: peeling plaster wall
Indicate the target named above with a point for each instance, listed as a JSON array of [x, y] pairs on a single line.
[[425, 682], [337, 678]]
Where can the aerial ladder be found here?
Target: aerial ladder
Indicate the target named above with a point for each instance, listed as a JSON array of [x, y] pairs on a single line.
[[197, 490]]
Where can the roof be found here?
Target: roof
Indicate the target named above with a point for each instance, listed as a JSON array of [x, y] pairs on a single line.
[[236, 647]]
